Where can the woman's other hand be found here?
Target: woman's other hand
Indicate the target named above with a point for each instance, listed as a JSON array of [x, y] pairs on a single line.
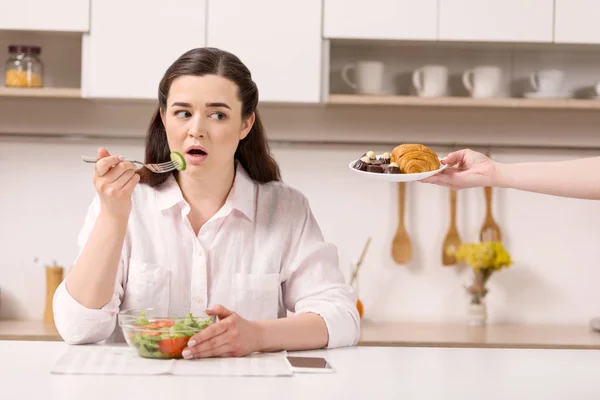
[[231, 336]]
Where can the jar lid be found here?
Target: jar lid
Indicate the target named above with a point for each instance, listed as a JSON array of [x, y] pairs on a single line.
[[18, 48]]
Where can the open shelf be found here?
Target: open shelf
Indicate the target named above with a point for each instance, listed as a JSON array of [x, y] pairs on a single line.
[[65, 93], [61, 59], [465, 102], [399, 62]]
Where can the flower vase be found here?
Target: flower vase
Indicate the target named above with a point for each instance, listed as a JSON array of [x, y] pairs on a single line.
[[477, 314]]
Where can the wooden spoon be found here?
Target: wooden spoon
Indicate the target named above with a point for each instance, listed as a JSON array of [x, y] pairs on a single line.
[[452, 239], [401, 242], [490, 231]]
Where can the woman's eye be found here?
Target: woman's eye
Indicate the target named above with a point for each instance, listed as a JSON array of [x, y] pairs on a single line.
[[217, 116], [183, 114]]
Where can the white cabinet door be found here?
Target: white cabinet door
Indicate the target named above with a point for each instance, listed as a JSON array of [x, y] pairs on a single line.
[[279, 41], [131, 44], [381, 19], [576, 21], [497, 20], [45, 15]]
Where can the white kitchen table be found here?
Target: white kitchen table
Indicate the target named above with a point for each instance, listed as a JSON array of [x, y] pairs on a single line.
[[361, 373]]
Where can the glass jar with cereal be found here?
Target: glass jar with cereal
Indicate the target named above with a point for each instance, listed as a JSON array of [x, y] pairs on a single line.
[[24, 67]]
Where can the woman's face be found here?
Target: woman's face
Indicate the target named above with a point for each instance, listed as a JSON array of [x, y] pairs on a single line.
[[203, 120]]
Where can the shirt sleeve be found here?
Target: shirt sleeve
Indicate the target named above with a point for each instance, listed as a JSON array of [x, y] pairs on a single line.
[[313, 282], [75, 323]]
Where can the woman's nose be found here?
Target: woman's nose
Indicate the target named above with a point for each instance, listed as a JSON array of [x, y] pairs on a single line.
[[197, 127]]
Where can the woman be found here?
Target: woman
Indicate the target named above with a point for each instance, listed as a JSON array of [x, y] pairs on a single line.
[[224, 235], [467, 168]]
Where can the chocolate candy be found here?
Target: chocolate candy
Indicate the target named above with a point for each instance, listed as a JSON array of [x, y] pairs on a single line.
[[361, 164], [378, 169], [392, 169]]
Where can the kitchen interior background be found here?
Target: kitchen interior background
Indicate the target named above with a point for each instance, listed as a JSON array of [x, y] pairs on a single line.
[[46, 190]]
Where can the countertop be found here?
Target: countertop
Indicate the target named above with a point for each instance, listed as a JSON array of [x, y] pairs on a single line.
[[28, 330], [491, 336], [360, 373], [405, 334]]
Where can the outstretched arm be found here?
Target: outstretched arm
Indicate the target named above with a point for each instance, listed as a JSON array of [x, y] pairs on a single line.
[[577, 178], [467, 168]]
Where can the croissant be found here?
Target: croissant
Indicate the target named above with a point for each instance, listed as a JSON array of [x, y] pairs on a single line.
[[415, 158]]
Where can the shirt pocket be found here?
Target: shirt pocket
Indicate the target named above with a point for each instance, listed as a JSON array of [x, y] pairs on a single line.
[[256, 296], [147, 285]]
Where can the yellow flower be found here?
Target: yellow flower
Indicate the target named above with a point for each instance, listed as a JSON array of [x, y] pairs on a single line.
[[486, 255]]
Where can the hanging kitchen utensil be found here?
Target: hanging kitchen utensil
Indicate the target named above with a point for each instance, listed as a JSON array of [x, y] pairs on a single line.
[[354, 283], [490, 231], [452, 239], [401, 242]]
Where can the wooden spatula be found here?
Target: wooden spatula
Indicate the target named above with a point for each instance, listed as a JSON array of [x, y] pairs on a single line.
[[401, 242], [490, 231], [452, 239]]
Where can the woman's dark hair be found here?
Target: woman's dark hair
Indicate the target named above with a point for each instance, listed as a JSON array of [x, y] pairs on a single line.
[[252, 152]]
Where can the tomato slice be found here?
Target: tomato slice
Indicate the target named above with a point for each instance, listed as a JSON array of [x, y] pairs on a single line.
[[150, 333], [173, 347], [165, 323]]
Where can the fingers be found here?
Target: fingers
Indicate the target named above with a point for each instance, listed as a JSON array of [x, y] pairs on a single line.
[[220, 311], [450, 177], [102, 152], [123, 180], [116, 172], [210, 332], [212, 347], [218, 340], [104, 165], [455, 157], [130, 185], [116, 179], [226, 349]]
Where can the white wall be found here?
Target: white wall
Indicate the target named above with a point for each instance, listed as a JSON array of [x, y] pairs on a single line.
[[554, 242]]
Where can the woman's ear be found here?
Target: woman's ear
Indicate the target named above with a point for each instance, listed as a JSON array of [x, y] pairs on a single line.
[[162, 116], [247, 126]]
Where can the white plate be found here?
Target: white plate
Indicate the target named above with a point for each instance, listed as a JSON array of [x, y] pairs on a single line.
[[397, 177]]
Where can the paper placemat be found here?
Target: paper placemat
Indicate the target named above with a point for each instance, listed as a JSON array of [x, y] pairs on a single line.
[[122, 360]]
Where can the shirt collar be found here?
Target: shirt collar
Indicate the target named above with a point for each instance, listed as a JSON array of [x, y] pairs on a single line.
[[168, 194], [242, 196]]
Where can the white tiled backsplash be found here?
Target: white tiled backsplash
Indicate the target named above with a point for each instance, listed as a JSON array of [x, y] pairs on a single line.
[[553, 241]]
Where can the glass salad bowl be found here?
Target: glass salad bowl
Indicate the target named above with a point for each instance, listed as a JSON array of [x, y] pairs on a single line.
[[161, 333]]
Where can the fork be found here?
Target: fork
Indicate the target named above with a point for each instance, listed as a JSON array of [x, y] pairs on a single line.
[[159, 168]]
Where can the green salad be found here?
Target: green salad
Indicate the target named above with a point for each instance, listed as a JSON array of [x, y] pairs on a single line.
[[163, 338]]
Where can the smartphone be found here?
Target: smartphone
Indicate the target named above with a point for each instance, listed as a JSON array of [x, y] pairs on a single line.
[[310, 364]]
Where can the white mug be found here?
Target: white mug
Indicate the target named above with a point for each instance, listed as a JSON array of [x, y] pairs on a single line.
[[547, 81], [482, 81], [368, 77], [431, 80]]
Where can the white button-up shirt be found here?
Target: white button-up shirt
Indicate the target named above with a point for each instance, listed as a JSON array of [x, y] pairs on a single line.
[[260, 255]]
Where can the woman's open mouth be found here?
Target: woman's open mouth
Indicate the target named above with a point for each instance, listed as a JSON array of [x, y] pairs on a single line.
[[195, 155]]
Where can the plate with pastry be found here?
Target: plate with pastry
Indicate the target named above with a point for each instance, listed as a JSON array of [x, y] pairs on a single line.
[[406, 163]]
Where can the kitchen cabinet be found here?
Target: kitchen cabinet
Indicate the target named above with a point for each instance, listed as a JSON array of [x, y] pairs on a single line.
[[131, 44], [497, 20], [381, 19], [576, 21], [45, 15], [279, 41]]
